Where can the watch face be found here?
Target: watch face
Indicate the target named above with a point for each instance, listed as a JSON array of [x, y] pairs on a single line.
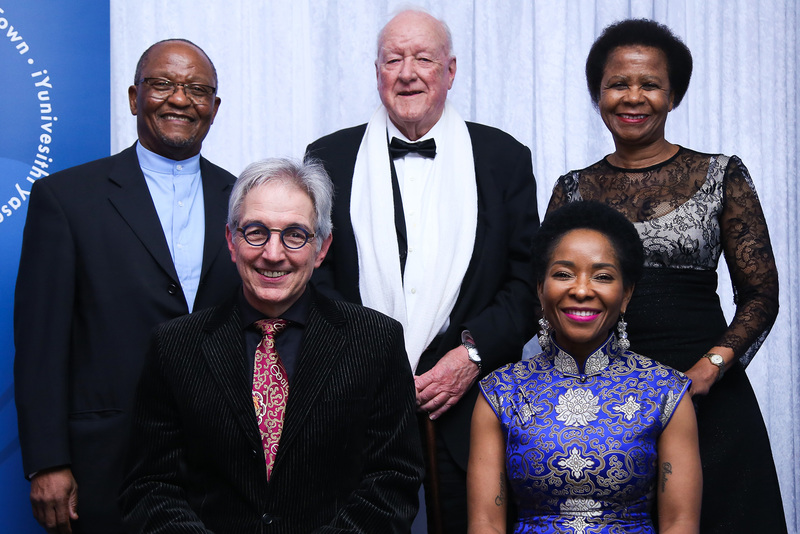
[[716, 359]]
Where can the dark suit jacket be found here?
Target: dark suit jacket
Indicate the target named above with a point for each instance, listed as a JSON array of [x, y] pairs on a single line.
[[95, 277], [349, 455], [497, 299]]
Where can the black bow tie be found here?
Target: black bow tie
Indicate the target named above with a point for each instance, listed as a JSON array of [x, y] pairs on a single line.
[[399, 148]]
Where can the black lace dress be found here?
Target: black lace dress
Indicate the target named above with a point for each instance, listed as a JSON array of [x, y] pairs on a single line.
[[688, 210]]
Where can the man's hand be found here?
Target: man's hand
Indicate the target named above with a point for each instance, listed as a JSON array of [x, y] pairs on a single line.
[[444, 385], [54, 498]]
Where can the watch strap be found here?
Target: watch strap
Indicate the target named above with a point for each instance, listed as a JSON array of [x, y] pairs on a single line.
[[718, 361]]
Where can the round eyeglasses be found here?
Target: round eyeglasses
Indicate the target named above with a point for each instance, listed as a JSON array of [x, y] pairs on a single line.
[[162, 89], [292, 237]]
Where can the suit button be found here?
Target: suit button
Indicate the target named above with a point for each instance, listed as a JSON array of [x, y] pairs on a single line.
[[267, 519], [172, 288], [254, 453]]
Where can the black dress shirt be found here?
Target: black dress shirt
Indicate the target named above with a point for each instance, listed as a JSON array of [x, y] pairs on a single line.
[[287, 343]]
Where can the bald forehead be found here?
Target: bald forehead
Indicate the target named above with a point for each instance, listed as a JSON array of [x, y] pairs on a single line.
[[161, 50], [175, 47], [410, 20]]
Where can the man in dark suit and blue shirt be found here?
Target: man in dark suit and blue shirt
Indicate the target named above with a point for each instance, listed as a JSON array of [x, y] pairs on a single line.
[[282, 410], [434, 218], [110, 249]]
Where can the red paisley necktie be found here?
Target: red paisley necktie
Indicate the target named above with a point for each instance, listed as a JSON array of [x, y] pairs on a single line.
[[270, 389]]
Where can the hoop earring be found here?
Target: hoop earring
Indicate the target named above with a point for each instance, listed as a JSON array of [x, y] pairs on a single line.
[[544, 333], [622, 338]]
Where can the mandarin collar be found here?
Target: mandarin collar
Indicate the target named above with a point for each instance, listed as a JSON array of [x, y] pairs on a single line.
[[152, 162], [595, 363]]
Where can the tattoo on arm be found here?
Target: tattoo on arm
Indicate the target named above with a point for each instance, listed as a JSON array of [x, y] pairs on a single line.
[[501, 497], [666, 469]]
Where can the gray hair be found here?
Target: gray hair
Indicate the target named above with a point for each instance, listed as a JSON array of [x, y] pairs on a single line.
[[309, 176], [442, 24]]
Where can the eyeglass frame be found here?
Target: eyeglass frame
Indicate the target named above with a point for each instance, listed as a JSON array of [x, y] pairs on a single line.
[[157, 94], [281, 233]]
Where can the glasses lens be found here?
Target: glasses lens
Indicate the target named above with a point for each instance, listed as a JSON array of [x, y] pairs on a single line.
[[255, 234], [294, 237], [198, 90], [163, 89], [159, 85]]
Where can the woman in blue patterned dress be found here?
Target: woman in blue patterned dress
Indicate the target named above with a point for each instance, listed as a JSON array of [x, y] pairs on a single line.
[[586, 437], [688, 208]]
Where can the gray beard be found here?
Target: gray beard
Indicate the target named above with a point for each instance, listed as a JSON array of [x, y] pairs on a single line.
[[177, 143]]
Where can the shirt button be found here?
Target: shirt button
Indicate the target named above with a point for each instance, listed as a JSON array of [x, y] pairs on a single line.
[[413, 290], [180, 203], [179, 167]]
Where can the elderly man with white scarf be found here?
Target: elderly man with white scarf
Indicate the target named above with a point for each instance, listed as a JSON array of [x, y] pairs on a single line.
[[433, 219]]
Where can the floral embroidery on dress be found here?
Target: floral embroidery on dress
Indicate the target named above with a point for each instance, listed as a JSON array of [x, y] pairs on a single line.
[[577, 407], [581, 506], [576, 463], [578, 524], [670, 403], [629, 409]]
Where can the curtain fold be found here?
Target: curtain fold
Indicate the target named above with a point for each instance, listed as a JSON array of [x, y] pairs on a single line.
[[293, 70]]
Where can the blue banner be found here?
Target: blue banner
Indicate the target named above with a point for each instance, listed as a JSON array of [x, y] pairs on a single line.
[[54, 113]]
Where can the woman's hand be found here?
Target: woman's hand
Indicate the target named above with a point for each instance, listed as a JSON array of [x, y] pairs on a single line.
[[705, 374]]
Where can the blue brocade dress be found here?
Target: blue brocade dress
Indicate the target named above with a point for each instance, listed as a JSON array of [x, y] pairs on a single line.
[[581, 451]]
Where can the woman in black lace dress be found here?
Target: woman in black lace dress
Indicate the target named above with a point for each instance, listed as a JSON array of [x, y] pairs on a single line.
[[688, 207]]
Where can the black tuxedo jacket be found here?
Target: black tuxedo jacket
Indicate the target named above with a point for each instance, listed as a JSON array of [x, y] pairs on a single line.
[[349, 456], [95, 278], [498, 294]]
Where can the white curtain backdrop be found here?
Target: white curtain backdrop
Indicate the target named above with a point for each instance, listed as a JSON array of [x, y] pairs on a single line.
[[291, 71]]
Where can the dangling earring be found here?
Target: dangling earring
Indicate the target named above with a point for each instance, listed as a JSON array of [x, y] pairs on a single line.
[[622, 339], [544, 334]]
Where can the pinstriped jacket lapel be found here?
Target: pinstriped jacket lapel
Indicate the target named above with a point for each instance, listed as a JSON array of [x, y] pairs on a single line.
[[322, 348], [224, 351]]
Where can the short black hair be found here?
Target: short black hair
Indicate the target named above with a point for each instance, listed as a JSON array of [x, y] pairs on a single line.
[[137, 76], [641, 32], [590, 215]]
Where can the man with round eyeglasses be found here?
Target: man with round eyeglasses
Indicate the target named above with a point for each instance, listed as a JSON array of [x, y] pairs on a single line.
[[292, 237], [110, 249]]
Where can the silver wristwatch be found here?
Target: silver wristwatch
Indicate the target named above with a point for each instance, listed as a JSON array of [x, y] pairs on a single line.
[[717, 360], [472, 350]]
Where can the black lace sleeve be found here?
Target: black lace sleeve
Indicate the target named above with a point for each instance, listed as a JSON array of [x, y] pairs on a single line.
[[559, 196], [748, 253]]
